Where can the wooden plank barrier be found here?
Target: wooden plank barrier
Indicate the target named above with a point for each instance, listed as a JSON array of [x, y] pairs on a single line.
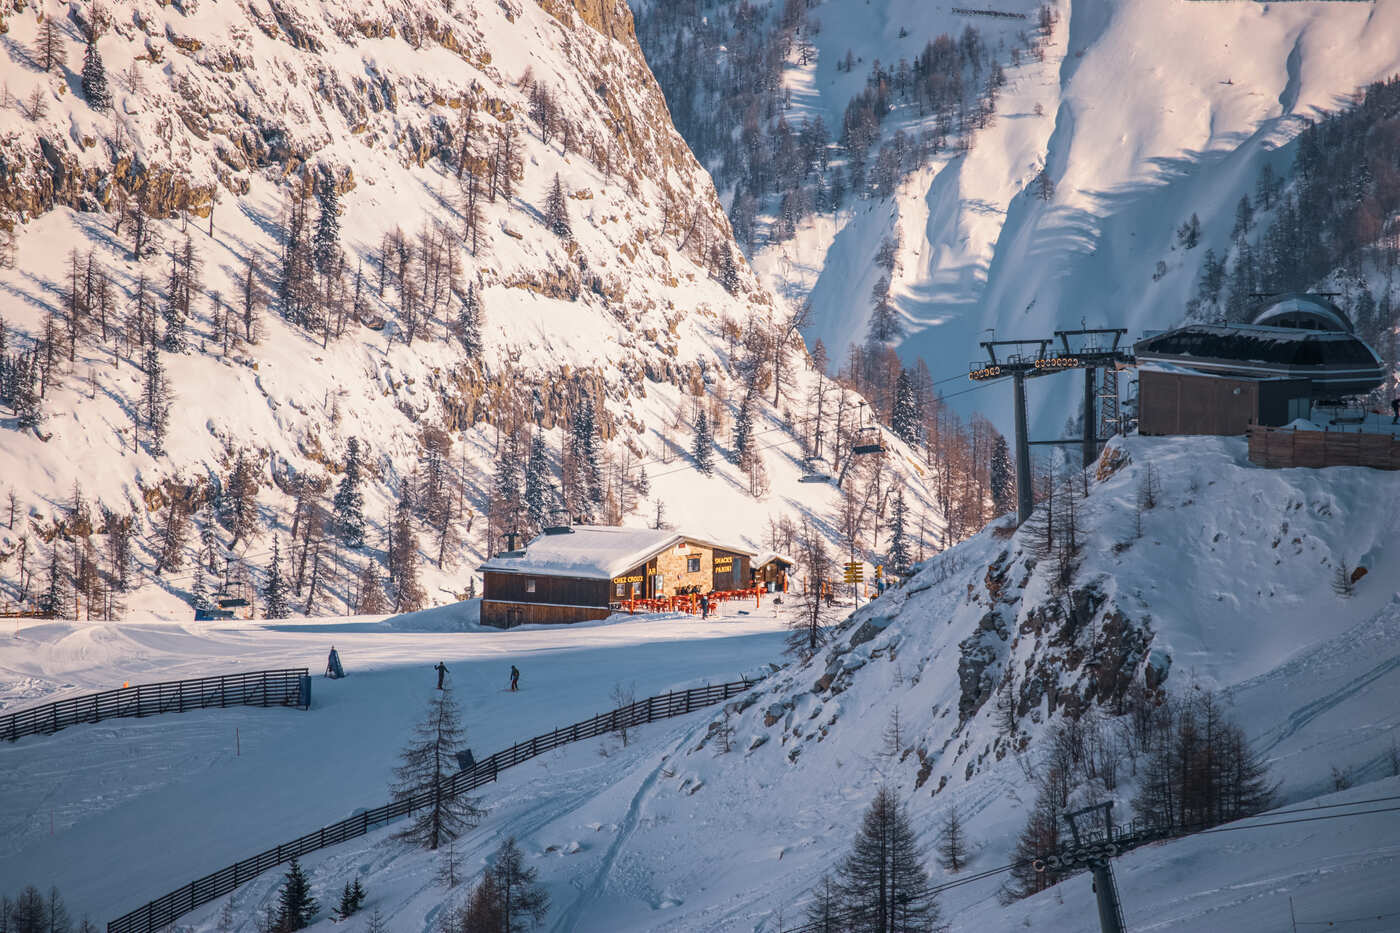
[[254, 688], [1280, 448]]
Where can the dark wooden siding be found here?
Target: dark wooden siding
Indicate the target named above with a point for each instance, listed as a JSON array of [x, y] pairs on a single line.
[[636, 584], [736, 576], [572, 591], [510, 614]]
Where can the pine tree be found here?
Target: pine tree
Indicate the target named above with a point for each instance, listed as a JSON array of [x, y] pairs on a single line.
[[469, 323], [371, 601], [703, 448], [154, 415], [952, 842], [728, 271], [296, 908], [55, 596], [274, 593], [326, 241], [50, 50], [537, 485], [883, 886], [376, 923], [346, 907], [587, 456], [1001, 478], [508, 500], [357, 894], [95, 89], [483, 913], [199, 591], [240, 503], [524, 903], [900, 558], [403, 557], [349, 503], [743, 430], [885, 326], [425, 765], [556, 210], [824, 913], [904, 420]]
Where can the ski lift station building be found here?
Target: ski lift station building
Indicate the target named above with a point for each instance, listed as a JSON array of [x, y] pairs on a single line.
[[1221, 378], [578, 573]]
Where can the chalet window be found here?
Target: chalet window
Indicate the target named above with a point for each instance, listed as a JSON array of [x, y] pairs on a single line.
[[636, 589], [622, 589], [529, 585], [692, 565]]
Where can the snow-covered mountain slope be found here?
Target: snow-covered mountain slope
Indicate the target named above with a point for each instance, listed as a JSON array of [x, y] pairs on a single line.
[[219, 110], [1228, 588], [1138, 114], [138, 786]]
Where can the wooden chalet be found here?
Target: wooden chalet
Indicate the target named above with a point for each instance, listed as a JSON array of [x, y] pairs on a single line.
[[583, 572], [770, 571]]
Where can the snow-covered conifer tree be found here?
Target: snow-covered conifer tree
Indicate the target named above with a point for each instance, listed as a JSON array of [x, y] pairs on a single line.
[[469, 323], [325, 242], [1002, 478], [900, 559], [349, 503], [274, 593], [95, 89], [703, 448], [296, 908], [904, 420], [154, 415], [538, 494], [556, 210]]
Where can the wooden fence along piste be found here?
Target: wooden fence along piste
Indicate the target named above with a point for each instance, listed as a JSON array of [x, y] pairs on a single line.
[[288, 687], [162, 911]]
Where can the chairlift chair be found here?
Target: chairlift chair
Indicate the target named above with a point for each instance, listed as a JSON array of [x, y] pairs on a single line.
[[868, 441], [815, 470]]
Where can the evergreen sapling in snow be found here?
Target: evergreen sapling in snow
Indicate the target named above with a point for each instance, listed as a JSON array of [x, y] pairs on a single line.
[[523, 902], [296, 908]]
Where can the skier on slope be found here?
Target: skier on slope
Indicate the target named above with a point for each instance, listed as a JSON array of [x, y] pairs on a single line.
[[441, 672], [514, 678]]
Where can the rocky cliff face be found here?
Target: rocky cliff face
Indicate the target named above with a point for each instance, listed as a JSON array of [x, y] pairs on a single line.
[[440, 129]]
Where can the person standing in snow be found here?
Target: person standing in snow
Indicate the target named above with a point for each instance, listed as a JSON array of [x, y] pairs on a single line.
[[705, 606], [1395, 411], [442, 672], [514, 678]]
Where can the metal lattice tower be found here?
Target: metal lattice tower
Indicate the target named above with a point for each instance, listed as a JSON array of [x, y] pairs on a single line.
[[1110, 418]]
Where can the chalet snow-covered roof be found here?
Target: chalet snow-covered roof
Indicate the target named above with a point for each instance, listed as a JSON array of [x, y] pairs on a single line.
[[767, 557], [595, 551]]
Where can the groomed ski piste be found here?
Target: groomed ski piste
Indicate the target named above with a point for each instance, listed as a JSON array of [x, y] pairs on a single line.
[[667, 833]]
